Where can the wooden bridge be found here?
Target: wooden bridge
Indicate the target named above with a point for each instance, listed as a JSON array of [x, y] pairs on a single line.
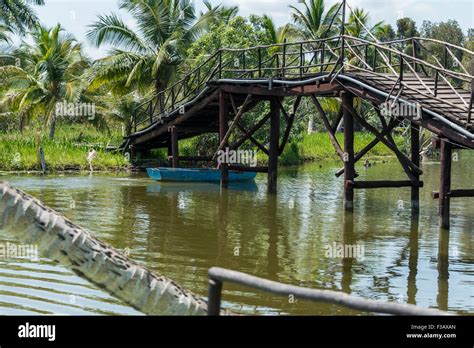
[[429, 81]]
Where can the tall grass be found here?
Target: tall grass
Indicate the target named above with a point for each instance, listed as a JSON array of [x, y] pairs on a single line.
[[318, 146], [68, 151]]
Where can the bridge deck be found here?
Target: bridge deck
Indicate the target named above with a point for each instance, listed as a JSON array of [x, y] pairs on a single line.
[[202, 114]]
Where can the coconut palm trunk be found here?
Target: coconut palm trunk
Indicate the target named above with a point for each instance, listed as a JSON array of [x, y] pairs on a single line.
[[28, 220], [52, 128]]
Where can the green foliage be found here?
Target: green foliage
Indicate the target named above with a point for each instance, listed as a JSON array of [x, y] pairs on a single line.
[[150, 56], [17, 16], [49, 72], [448, 31], [67, 152], [317, 146], [238, 33], [313, 21], [385, 32], [406, 28], [220, 13]]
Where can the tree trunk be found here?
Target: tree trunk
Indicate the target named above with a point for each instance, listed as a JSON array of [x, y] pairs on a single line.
[[52, 129], [22, 123], [159, 87]]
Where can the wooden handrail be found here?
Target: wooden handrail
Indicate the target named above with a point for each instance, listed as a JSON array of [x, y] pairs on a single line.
[[271, 66]]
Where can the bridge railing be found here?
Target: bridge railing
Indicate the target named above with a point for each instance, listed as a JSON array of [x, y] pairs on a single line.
[[419, 57], [393, 60], [218, 276]]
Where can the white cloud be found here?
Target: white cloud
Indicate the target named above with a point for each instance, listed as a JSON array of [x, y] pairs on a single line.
[[86, 11]]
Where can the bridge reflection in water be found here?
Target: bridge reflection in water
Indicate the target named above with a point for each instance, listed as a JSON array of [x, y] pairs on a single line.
[[182, 233], [220, 93]]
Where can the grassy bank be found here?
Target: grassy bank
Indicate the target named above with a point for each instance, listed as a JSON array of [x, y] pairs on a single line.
[[317, 147], [68, 151]]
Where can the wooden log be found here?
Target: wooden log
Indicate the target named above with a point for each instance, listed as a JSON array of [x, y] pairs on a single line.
[[406, 164], [249, 169], [460, 193], [328, 127], [382, 184], [282, 109], [393, 123], [274, 145], [223, 109], [58, 239], [252, 139], [251, 132], [348, 157], [403, 159], [223, 130], [415, 158], [289, 125], [445, 183]]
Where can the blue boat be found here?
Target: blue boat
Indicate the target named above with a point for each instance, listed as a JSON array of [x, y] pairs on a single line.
[[196, 174]]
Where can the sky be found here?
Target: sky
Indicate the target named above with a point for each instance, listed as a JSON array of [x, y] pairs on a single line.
[[76, 15]]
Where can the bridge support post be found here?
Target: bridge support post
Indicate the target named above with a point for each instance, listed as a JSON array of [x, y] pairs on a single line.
[[446, 151], [174, 147], [274, 145], [349, 162], [223, 128], [170, 153], [415, 158]]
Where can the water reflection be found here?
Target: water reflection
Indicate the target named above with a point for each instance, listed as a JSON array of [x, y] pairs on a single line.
[[183, 230], [443, 270], [350, 240], [413, 259]]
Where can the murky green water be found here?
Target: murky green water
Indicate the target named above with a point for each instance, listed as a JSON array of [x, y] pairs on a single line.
[[181, 230]]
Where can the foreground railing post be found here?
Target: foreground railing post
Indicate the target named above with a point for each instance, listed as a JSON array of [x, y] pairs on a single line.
[[217, 277], [214, 297]]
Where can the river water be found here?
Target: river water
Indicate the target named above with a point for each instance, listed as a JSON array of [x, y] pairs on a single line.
[[181, 230]]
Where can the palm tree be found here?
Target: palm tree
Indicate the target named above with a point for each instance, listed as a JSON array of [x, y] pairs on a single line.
[[18, 15], [277, 35], [151, 55], [385, 33], [221, 12], [123, 109], [49, 73], [358, 25], [314, 22]]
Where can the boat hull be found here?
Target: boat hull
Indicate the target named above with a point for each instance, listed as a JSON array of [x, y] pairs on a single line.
[[196, 175]]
